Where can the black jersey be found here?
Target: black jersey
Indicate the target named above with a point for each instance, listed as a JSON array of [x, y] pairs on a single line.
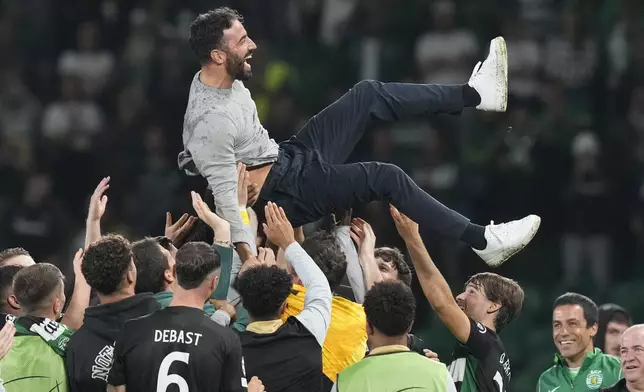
[[481, 365], [177, 349]]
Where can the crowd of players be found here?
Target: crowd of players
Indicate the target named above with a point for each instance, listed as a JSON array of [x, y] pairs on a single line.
[[330, 312]]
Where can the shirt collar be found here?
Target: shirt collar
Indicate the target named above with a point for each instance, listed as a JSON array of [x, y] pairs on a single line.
[[559, 359], [395, 348], [264, 327]]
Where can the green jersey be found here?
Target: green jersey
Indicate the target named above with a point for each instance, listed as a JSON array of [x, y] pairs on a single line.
[[44, 343], [598, 371]]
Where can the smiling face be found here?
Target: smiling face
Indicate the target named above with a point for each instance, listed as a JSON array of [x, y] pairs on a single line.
[[474, 302], [571, 334], [632, 354], [239, 50]]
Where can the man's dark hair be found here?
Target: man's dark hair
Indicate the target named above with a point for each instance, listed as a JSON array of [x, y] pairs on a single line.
[[503, 291], [328, 255], [106, 262], [263, 290], [164, 242], [207, 31], [150, 264], [591, 311], [35, 284], [195, 261], [395, 257], [390, 307], [10, 253], [621, 318], [6, 280]]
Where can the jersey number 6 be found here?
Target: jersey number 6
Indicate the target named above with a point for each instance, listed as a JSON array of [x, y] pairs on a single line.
[[164, 380]]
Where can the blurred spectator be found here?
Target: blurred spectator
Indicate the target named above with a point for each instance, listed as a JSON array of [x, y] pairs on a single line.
[[37, 223], [19, 109], [72, 120], [446, 54], [524, 60], [613, 321], [88, 62], [572, 58], [587, 235]]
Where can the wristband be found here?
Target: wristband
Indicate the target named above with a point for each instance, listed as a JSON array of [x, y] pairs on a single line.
[[244, 216]]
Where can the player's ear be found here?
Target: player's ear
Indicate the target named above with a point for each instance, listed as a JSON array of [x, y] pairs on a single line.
[[493, 307], [169, 276], [13, 302], [593, 330], [131, 273]]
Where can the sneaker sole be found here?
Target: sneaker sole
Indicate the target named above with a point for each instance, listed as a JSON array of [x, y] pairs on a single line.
[[500, 49], [500, 259]]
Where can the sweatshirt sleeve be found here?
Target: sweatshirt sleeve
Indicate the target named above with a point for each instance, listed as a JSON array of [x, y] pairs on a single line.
[[316, 315], [226, 257], [211, 146], [354, 269]]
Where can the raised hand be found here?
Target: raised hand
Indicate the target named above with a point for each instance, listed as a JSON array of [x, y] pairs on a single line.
[[219, 225], [255, 385], [6, 338], [243, 181], [277, 227], [407, 228], [78, 261], [266, 256], [363, 235], [98, 201], [178, 230]]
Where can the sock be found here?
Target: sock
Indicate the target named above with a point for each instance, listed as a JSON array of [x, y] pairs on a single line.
[[471, 97], [474, 235]]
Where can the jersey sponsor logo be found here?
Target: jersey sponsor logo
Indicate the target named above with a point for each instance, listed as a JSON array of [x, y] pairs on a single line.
[[481, 327], [103, 363], [594, 379], [554, 389]]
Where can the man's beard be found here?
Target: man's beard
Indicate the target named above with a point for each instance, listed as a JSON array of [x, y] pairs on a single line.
[[235, 67]]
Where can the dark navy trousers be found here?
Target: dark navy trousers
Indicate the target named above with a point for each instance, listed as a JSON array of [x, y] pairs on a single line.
[[310, 178]]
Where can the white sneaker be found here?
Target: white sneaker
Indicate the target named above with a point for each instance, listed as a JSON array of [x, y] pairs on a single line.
[[506, 239], [490, 79]]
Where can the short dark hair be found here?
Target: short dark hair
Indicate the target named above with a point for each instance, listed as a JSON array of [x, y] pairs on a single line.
[[263, 290], [164, 242], [150, 264], [390, 307], [621, 317], [105, 263], [6, 280], [10, 253], [328, 255], [35, 284], [195, 261], [395, 257], [207, 31], [503, 291], [591, 311]]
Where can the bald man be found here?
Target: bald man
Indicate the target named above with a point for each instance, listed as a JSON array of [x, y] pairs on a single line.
[[632, 357]]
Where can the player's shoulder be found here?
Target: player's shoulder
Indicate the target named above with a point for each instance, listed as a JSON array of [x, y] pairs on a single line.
[[549, 373]]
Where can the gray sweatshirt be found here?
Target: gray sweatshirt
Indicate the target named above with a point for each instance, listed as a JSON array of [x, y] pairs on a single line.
[[221, 128]]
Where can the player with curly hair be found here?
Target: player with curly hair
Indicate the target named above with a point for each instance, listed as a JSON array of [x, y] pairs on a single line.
[[109, 269]]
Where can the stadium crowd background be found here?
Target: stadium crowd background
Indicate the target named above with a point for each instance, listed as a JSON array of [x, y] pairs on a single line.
[[96, 88]]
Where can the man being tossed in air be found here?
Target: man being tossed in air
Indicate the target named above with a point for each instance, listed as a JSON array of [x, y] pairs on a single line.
[[307, 175]]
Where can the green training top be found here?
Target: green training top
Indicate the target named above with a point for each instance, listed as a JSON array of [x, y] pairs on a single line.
[[598, 371]]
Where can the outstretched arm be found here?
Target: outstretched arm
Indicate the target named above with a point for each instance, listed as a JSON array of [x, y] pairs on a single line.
[[211, 146], [316, 316], [97, 205], [431, 280]]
